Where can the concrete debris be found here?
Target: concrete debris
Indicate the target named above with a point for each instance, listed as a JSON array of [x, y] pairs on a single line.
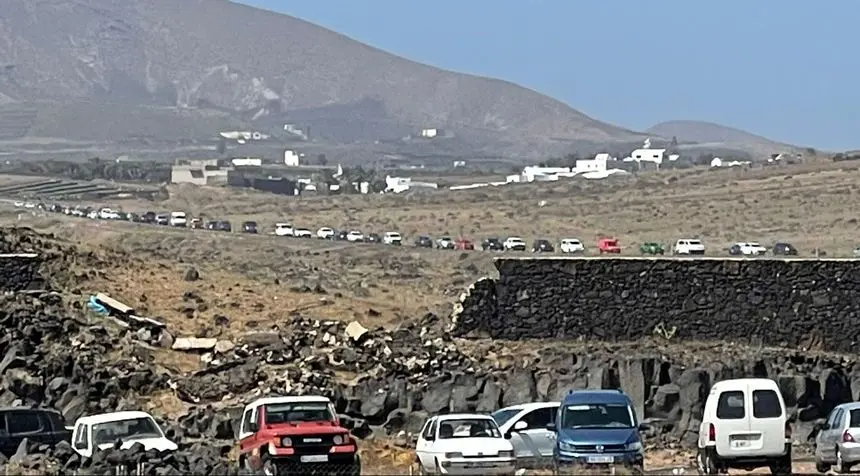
[[194, 344], [355, 331]]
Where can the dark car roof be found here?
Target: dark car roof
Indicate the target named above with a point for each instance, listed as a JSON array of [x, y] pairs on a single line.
[[23, 409], [586, 397]]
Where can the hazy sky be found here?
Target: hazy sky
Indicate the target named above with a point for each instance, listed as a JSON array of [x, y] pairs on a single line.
[[785, 69]]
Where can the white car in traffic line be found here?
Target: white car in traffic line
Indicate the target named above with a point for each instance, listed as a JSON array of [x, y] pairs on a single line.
[[354, 236], [108, 214], [464, 444], [178, 219], [104, 430], [392, 238], [571, 245], [283, 229], [302, 233], [688, 246], [325, 233]]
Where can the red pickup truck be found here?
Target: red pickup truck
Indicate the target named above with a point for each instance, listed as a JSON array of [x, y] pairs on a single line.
[[287, 435]]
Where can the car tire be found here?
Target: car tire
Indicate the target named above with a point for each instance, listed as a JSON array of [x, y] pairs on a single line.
[[705, 462], [841, 466], [821, 467]]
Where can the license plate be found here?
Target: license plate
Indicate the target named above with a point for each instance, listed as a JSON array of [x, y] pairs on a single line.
[[741, 443], [600, 459], [314, 458]]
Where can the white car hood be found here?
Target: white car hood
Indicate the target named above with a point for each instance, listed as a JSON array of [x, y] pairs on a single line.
[[160, 444], [473, 446]]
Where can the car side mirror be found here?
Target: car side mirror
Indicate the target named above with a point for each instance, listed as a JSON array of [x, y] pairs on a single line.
[[644, 427], [551, 426], [508, 435], [520, 425]]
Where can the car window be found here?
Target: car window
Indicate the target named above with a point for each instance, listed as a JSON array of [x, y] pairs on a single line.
[[468, 428], [82, 439], [831, 418], [540, 418], [56, 420], [429, 429], [838, 418], [502, 416], [23, 422], [854, 419], [246, 420], [730, 405], [766, 404]]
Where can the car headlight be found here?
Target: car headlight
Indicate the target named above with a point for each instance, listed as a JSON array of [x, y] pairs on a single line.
[[506, 454], [286, 442], [634, 446], [565, 446], [455, 455], [338, 439]]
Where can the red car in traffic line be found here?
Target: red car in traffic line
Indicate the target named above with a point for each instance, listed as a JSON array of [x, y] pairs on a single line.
[[463, 244], [608, 245]]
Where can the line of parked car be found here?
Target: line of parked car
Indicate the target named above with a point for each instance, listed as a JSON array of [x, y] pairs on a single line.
[[604, 245], [745, 425]]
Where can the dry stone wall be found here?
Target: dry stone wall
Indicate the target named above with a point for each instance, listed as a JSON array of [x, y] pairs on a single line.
[[793, 303]]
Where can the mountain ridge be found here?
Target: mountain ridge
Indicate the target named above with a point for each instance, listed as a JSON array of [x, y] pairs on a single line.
[[233, 58], [705, 132]]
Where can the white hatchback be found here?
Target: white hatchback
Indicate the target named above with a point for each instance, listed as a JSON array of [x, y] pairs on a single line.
[[325, 233], [463, 444], [355, 236], [283, 229], [571, 245]]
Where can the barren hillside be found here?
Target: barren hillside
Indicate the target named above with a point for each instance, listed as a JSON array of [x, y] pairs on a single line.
[[706, 133], [217, 56]]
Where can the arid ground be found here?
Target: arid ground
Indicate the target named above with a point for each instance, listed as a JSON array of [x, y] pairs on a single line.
[[254, 280]]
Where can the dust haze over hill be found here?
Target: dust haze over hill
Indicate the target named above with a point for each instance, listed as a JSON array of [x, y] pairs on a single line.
[[170, 69]]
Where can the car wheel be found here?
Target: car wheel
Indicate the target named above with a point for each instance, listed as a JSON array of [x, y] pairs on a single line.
[[841, 466], [267, 466], [705, 464], [821, 467]]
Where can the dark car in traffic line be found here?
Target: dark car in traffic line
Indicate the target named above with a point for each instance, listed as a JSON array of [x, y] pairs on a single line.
[[542, 246], [492, 244], [784, 249], [249, 227], [424, 241]]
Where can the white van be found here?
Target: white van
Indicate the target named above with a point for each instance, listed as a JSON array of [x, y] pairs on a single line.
[[744, 426]]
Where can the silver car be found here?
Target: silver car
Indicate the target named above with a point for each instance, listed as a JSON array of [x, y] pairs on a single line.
[[527, 423], [838, 440]]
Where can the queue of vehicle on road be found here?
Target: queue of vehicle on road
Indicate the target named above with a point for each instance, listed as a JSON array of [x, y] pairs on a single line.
[[570, 245]]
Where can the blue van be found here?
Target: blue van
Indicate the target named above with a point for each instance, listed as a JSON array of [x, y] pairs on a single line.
[[597, 428]]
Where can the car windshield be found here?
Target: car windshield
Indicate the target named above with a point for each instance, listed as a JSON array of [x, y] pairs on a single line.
[[299, 411], [503, 416], [596, 416], [694, 242], [468, 428], [134, 428], [250, 224]]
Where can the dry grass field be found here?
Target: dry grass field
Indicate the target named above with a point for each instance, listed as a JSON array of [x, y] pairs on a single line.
[[255, 279]]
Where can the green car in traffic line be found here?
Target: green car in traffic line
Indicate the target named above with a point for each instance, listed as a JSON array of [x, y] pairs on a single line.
[[651, 248]]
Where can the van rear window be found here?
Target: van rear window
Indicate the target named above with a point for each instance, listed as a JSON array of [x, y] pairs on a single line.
[[766, 404], [730, 406]]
